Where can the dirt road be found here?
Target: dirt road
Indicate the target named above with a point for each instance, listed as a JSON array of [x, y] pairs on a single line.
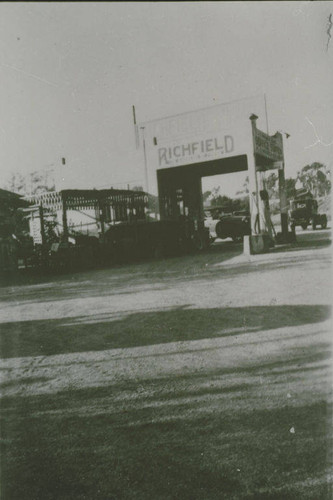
[[203, 376]]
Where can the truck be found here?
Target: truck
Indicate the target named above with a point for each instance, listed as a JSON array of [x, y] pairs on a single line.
[[304, 211]]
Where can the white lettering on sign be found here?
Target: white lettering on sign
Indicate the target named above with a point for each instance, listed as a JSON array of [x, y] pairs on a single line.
[[169, 155], [200, 136]]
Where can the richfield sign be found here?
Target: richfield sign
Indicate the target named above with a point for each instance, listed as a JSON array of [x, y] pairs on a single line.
[[191, 152], [214, 133]]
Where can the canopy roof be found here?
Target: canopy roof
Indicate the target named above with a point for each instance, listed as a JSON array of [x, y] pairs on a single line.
[[89, 198]]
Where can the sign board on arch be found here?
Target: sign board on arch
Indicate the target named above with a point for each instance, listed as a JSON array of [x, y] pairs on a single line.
[[212, 133]]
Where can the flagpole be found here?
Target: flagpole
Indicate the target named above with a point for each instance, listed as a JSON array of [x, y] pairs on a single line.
[[267, 130], [145, 158], [135, 128]]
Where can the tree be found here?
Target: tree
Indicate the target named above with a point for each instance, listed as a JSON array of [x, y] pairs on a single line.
[[316, 179], [290, 187], [228, 204], [216, 199], [206, 195], [34, 183], [270, 183], [241, 204], [16, 183]]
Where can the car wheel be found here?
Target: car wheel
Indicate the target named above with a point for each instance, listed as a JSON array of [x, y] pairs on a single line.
[[219, 230]]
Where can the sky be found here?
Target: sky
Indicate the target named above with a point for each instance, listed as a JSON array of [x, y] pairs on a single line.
[[70, 73]]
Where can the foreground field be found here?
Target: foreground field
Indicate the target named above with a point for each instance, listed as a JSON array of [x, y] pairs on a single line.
[[201, 377]]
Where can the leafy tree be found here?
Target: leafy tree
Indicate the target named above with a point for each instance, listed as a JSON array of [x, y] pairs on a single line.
[[216, 199], [206, 195], [241, 204], [228, 204], [33, 183], [290, 184], [316, 179], [16, 183], [271, 185]]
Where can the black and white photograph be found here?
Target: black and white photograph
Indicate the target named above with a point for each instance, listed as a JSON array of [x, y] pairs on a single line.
[[165, 250]]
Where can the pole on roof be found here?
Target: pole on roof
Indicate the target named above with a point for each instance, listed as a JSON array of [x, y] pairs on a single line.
[[64, 218], [135, 129], [145, 158]]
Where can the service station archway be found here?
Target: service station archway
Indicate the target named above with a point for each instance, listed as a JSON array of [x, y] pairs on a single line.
[[183, 149], [180, 188]]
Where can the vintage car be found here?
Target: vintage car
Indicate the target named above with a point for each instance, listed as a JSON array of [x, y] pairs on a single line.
[[304, 211], [223, 225]]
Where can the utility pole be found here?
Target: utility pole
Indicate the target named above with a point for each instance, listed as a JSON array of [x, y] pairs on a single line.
[[267, 131], [253, 177], [283, 192], [145, 158]]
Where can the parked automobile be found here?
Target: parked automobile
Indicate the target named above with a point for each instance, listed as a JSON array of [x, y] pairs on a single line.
[[304, 211], [228, 225], [234, 226]]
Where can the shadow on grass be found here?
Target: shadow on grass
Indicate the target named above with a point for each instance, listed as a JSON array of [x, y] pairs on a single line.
[[97, 444], [225, 456], [108, 331]]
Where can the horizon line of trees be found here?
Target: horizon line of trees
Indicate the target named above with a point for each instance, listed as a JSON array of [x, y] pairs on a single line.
[[315, 178]]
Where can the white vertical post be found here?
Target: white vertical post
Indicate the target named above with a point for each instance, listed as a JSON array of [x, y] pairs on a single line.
[[253, 183], [254, 209]]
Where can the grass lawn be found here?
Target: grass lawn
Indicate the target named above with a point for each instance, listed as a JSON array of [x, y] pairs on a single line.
[[169, 446]]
